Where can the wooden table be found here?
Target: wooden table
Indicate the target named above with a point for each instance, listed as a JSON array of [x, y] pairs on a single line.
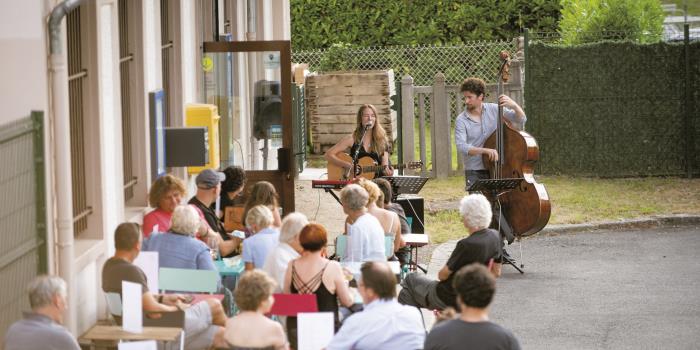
[[102, 334], [413, 241]]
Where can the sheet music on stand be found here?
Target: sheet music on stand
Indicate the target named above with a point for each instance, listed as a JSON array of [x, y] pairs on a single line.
[[405, 184], [494, 185]]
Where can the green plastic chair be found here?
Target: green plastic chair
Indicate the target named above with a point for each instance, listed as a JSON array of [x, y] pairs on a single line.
[[188, 280]]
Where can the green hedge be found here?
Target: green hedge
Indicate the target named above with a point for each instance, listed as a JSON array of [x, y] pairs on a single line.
[[320, 23], [612, 109]]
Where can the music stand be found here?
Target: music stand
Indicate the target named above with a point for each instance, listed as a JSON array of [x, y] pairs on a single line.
[[405, 185], [497, 187]]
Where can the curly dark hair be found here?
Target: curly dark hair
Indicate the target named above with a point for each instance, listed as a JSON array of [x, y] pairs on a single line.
[[235, 179], [473, 85], [475, 285]]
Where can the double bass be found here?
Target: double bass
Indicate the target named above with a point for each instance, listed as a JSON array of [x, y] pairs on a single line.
[[527, 207]]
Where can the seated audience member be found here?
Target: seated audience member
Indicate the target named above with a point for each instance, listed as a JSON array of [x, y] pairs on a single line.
[[384, 201], [251, 329], [204, 321], [312, 273], [390, 221], [384, 323], [231, 188], [264, 193], [475, 287], [41, 328], [483, 246], [288, 248], [365, 241], [264, 239], [178, 248], [208, 189], [165, 194]]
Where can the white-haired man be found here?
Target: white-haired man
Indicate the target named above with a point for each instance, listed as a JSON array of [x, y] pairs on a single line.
[[288, 248], [41, 328], [483, 246]]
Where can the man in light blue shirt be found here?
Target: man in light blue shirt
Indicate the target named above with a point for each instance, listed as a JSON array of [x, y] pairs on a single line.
[[475, 125], [41, 328], [384, 323]]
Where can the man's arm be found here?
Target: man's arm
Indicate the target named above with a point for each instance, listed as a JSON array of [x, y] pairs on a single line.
[[515, 114], [464, 147], [444, 273], [151, 304]]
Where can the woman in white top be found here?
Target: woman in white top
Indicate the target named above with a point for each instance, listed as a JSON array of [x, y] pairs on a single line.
[[288, 248], [365, 241], [389, 220]]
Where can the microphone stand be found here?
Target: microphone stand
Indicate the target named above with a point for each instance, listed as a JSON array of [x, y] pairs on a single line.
[[357, 151]]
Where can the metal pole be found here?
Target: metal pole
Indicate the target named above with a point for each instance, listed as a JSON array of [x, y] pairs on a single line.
[[688, 106]]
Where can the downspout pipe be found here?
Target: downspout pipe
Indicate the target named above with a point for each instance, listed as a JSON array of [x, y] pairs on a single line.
[[63, 178], [251, 11]]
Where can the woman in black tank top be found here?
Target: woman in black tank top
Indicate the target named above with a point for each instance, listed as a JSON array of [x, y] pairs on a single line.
[[375, 143], [312, 273]]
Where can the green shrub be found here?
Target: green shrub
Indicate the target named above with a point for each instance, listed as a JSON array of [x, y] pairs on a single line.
[[584, 21], [318, 24]]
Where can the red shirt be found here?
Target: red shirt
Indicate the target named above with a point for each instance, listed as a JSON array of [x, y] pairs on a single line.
[[162, 218]]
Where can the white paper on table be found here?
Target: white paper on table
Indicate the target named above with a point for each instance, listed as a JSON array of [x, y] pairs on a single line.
[[132, 316], [148, 263], [314, 329], [138, 345]]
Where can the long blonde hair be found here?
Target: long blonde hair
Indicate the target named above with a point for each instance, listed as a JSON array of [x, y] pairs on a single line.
[[380, 143]]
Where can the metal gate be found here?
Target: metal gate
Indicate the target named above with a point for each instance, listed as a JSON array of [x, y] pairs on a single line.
[[22, 214]]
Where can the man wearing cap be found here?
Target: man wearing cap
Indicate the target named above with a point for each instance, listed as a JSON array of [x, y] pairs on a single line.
[[208, 190]]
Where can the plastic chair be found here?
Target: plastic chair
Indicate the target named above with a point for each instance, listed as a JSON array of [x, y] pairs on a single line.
[[292, 304], [188, 280]]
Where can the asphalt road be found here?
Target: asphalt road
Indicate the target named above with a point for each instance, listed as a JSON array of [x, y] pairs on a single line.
[[605, 290]]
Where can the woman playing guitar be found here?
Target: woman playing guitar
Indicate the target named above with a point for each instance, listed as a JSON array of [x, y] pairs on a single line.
[[374, 144]]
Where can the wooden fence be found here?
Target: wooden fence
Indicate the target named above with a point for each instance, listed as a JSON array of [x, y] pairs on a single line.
[[437, 106]]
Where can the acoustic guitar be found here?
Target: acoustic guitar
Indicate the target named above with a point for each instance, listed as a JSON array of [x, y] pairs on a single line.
[[366, 168]]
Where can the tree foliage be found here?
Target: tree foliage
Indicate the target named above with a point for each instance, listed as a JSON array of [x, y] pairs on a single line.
[[318, 24], [585, 21]]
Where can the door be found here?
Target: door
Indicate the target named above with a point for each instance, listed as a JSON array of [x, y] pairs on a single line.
[[250, 82]]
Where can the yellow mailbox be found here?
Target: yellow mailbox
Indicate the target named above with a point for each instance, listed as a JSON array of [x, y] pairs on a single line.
[[205, 115]]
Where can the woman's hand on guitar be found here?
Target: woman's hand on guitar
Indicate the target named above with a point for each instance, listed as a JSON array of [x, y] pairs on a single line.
[[388, 170]]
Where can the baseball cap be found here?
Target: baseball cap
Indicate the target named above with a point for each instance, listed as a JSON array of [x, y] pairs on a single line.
[[209, 178]]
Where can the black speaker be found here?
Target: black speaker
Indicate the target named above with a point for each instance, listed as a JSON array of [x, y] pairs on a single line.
[[413, 206], [267, 108]]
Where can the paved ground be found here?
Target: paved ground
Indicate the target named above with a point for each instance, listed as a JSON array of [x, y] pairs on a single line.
[[603, 290], [615, 288]]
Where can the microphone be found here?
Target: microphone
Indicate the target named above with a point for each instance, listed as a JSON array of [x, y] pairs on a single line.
[[368, 126]]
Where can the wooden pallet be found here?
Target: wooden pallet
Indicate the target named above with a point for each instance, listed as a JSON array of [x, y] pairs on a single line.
[[332, 101]]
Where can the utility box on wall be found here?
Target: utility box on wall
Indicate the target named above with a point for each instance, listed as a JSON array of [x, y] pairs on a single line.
[[205, 115], [186, 147]]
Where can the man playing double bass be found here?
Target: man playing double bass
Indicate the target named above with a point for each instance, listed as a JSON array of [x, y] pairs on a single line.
[[475, 125]]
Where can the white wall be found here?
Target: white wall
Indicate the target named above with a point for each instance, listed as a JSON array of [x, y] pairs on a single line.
[[23, 85]]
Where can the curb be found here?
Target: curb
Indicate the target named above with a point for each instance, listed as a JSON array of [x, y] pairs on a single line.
[[651, 222], [443, 250]]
